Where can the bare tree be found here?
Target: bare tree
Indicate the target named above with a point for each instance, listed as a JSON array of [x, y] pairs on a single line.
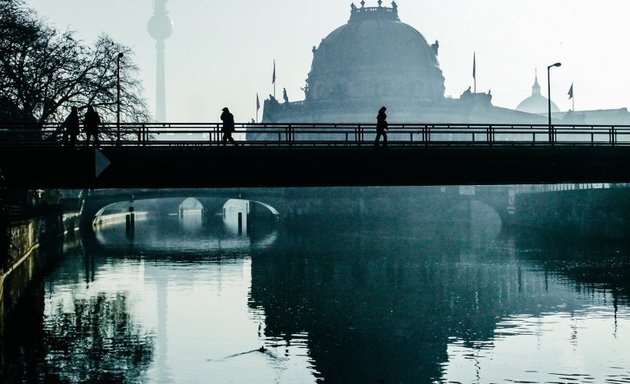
[[43, 72]]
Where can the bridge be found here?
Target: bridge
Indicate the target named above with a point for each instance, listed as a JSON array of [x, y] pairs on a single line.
[[171, 155], [307, 205]]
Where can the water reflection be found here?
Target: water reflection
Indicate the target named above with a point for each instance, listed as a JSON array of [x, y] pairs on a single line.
[[188, 298], [390, 307], [552, 348], [187, 233], [111, 346]]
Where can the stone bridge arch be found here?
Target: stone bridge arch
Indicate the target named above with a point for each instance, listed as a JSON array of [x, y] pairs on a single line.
[[212, 200], [309, 205], [501, 199]]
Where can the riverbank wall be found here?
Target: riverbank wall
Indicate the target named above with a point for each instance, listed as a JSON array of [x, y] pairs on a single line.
[[34, 245]]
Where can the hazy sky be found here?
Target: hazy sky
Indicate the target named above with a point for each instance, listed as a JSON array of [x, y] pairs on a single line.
[[221, 52]]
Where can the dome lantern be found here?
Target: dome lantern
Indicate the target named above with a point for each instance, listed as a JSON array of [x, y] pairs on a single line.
[[380, 12]]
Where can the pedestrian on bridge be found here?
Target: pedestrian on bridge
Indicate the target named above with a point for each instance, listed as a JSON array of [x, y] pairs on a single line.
[[91, 121], [381, 127], [71, 127], [228, 126]]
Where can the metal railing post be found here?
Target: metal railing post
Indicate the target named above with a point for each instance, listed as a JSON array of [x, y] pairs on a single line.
[[290, 135], [317, 134]]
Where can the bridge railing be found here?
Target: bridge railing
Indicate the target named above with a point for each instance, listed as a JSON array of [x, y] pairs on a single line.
[[322, 134]]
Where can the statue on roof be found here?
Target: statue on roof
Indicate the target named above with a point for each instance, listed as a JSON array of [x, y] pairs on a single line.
[[284, 95], [435, 46], [305, 89]]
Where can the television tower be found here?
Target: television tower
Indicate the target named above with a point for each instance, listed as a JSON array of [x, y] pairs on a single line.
[[160, 28]]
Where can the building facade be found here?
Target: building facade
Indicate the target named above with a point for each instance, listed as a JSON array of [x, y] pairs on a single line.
[[377, 60]]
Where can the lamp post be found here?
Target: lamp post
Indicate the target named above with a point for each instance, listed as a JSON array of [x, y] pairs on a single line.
[[120, 55], [551, 133]]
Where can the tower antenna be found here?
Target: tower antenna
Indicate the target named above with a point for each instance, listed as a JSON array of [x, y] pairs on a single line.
[[160, 28]]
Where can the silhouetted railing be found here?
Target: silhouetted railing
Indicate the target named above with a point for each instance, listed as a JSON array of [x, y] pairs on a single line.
[[325, 135]]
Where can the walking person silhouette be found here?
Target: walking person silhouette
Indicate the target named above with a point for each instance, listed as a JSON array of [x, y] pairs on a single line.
[[228, 126], [71, 127], [91, 121], [381, 127]]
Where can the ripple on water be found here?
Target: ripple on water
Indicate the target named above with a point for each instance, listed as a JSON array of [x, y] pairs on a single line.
[[585, 346]]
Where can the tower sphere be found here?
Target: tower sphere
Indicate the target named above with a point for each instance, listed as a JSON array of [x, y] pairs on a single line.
[[160, 27]]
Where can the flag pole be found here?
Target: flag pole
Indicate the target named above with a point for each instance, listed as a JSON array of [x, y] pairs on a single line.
[[274, 79], [475, 71]]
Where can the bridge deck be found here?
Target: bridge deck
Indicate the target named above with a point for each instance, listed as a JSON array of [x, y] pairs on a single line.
[[157, 167], [288, 155]]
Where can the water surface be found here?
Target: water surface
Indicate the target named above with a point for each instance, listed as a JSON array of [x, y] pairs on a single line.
[[191, 300]]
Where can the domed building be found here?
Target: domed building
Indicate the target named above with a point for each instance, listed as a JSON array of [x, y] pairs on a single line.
[[374, 41], [377, 60], [537, 103]]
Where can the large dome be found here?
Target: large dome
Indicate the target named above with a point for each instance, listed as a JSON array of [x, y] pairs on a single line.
[[375, 56]]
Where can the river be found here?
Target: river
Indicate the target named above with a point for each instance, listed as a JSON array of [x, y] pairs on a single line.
[[188, 299]]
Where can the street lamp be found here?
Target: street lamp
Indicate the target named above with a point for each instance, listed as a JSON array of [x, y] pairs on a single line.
[[551, 135], [120, 55]]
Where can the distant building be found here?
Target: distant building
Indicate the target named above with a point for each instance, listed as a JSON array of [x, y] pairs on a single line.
[[537, 103], [376, 60], [617, 116]]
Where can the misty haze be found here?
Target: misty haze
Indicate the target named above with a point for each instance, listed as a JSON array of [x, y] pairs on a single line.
[[314, 192]]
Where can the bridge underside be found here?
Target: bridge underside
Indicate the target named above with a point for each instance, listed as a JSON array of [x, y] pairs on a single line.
[[186, 167]]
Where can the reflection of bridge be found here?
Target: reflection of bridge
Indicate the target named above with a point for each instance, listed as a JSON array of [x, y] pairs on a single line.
[[292, 155], [316, 204], [585, 210]]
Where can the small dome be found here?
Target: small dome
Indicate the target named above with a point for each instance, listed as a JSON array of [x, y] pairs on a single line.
[[375, 55], [536, 103]]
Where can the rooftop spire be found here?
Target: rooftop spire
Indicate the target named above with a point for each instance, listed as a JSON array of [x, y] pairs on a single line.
[[536, 86]]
